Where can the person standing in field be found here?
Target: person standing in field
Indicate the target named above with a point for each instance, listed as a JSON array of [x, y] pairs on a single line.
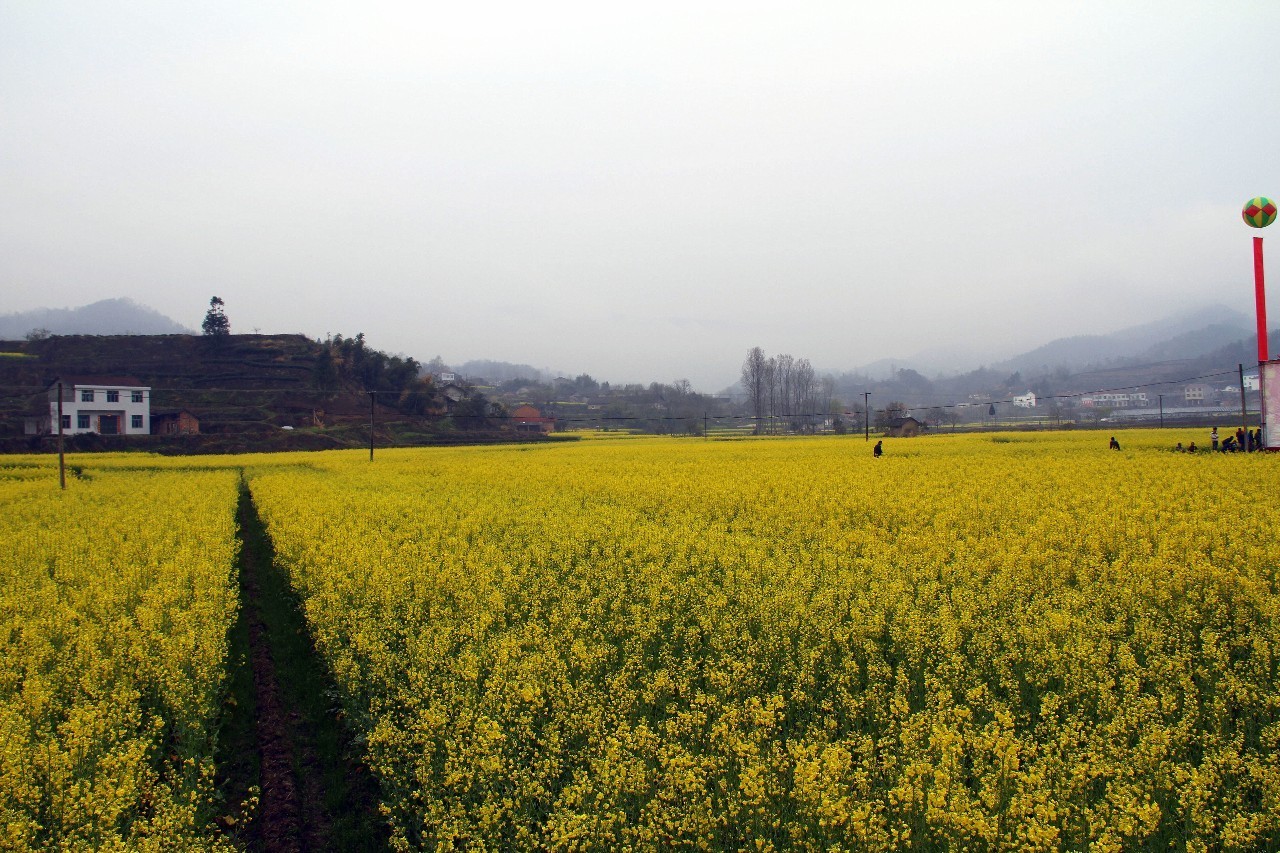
[[1213, 438], [878, 450]]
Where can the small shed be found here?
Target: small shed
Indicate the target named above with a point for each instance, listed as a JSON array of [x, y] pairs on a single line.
[[181, 422], [528, 419], [907, 427]]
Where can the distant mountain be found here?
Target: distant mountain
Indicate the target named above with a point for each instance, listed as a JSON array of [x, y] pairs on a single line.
[[936, 361], [1186, 335], [1196, 343], [1168, 352], [1181, 336], [107, 317]]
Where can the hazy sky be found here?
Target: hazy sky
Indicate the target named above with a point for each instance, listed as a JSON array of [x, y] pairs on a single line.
[[641, 191]]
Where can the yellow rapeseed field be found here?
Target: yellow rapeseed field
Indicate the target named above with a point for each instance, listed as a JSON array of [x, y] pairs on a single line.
[[115, 600], [987, 642], [1011, 641]]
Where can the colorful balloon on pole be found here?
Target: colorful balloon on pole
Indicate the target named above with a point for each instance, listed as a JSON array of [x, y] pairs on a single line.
[[1259, 212]]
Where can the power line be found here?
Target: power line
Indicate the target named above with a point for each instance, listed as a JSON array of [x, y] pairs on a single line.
[[25, 391], [31, 390]]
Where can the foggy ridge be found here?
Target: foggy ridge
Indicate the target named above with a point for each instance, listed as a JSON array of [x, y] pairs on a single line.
[[105, 317]]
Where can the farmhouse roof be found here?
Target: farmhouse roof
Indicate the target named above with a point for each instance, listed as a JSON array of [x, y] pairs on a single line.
[[114, 381]]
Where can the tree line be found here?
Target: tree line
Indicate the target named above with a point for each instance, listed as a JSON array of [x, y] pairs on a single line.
[[785, 392]]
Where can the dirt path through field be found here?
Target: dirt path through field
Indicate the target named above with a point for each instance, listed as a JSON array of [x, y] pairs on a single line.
[[315, 793]]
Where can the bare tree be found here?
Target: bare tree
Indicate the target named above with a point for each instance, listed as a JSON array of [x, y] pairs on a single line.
[[771, 385], [754, 379], [803, 388], [830, 406], [890, 413], [786, 367]]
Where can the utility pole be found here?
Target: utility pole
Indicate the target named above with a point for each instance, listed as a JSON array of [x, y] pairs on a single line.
[[62, 462], [866, 416], [1161, 396], [1244, 415], [372, 397]]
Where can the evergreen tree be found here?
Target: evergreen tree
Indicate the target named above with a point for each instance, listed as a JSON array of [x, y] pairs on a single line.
[[216, 324], [324, 374]]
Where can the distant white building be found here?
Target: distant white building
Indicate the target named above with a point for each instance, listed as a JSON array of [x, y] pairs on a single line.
[[1116, 400], [107, 405], [1197, 394], [1026, 401]]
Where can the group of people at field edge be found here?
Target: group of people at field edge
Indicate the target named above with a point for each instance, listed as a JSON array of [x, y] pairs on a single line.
[[1240, 441]]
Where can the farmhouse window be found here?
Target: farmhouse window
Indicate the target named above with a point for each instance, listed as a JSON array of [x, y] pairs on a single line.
[[137, 396], [86, 396], [113, 396], [66, 421], [135, 422], [82, 421]]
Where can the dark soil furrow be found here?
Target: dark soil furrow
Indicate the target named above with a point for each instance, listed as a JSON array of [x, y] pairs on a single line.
[[315, 794]]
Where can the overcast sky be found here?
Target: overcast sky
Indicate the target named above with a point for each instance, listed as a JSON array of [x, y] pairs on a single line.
[[641, 191]]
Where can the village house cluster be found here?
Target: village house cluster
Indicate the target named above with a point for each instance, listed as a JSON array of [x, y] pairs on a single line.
[[1195, 394]]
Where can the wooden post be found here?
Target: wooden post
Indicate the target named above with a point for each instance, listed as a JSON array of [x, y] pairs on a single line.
[[372, 397], [62, 462], [1244, 414]]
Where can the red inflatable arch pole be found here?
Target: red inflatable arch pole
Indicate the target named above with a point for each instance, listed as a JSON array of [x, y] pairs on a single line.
[[1260, 297]]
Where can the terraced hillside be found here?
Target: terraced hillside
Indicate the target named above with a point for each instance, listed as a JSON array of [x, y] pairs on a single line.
[[244, 388]]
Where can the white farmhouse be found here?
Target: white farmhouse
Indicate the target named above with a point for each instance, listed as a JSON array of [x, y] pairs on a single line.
[[1026, 401], [107, 405]]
